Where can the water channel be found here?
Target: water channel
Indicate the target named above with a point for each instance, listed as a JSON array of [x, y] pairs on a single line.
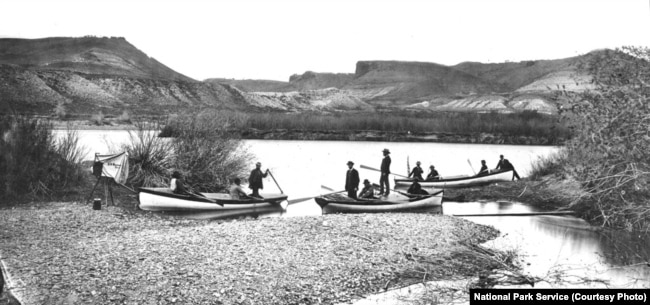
[[563, 250]]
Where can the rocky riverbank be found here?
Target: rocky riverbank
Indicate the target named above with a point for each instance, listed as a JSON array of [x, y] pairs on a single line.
[[60, 253]]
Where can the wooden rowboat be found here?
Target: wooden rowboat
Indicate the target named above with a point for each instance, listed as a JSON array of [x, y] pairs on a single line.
[[460, 181], [395, 202], [163, 199]]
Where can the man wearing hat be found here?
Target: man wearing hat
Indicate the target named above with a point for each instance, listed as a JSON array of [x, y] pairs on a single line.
[[352, 181], [417, 172], [368, 191], [433, 174], [255, 180], [385, 171]]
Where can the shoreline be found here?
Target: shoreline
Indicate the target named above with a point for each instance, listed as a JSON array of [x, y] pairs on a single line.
[[359, 135], [115, 256]]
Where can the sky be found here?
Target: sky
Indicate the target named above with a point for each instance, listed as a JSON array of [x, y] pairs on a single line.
[[256, 39]]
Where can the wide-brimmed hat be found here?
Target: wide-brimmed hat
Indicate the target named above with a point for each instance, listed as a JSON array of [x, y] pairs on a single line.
[[258, 163], [365, 181], [350, 163], [386, 150]]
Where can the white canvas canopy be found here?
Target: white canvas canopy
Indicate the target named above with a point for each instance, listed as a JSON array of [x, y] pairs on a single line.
[[114, 166]]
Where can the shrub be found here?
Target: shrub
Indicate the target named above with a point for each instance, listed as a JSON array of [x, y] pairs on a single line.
[[98, 119], [551, 164], [609, 152], [203, 149], [33, 163], [150, 157], [125, 117]]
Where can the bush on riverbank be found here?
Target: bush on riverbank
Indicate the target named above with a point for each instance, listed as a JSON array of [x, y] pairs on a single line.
[[524, 124], [203, 149], [34, 165], [609, 151]]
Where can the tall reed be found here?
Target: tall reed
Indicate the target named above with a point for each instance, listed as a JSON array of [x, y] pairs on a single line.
[[203, 148], [33, 165]]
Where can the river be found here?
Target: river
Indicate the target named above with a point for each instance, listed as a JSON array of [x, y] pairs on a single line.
[[561, 249]]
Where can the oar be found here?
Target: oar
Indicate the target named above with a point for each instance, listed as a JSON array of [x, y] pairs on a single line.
[[292, 201], [409, 194], [201, 196], [374, 169], [276, 183], [327, 188], [470, 165]]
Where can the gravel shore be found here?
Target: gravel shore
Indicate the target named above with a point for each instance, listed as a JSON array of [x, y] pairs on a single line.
[[67, 253]]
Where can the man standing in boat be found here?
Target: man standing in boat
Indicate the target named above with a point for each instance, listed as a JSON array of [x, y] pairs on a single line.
[[352, 181], [385, 171], [255, 180], [505, 165], [417, 172]]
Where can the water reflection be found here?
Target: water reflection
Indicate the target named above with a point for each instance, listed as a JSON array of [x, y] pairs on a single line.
[[564, 246]]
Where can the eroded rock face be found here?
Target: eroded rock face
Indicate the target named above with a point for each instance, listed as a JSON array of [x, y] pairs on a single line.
[[88, 75]]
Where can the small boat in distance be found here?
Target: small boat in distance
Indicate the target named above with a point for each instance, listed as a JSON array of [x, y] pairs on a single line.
[[163, 199], [395, 202], [461, 181]]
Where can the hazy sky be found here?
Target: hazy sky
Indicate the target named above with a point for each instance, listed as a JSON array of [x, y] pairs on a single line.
[[249, 39]]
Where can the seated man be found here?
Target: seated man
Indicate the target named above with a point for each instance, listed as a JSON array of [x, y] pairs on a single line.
[[417, 172], [484, 169], [433, 174], [236, 191], [416, 189], [368, 191], [176, 184]]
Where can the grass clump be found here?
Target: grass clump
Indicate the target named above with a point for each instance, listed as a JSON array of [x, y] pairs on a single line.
[[34, 164], [202, 147]]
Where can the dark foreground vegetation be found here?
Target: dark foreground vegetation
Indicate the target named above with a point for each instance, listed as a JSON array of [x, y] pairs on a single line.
[[603, 172], [33, 165]]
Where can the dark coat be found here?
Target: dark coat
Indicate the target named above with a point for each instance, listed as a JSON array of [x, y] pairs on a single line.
[[417, 173], [255, 179], [385, 165], [483, 171], [504, 164], [433, 175], [352, 179]]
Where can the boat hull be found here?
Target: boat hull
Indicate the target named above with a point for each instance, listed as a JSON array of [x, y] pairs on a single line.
[[385, 205], [461, 182], [162, 199]]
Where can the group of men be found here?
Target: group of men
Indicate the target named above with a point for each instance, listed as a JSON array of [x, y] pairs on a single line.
[[502, 165], [351, 179], [236, 191]]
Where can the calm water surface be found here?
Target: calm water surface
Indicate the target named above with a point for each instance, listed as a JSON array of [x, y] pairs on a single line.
[[552, 245]]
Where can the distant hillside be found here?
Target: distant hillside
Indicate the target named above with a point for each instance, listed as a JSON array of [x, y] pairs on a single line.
[[253, 85], [411, 81], [85, 76], [297, 82], [89, 55], [47, 92]]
